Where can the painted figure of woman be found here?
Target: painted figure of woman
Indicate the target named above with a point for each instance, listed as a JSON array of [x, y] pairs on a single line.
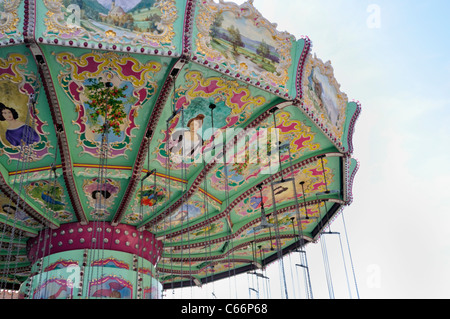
[[17, 131], [189, 141]]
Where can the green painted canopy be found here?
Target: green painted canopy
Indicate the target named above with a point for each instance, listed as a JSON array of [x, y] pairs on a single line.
[[174, 60]]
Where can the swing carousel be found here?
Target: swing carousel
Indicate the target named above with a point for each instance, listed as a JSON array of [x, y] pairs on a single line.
[[157, 144]]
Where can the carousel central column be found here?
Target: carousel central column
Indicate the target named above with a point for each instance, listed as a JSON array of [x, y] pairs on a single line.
[[96, 260]]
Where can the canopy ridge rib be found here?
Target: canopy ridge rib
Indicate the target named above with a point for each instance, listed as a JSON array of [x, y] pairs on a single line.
[[55, 111]]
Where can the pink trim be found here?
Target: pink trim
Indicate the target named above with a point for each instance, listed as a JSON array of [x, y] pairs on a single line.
[[188, 20], [351, 127], [350, 182], [301, 67]]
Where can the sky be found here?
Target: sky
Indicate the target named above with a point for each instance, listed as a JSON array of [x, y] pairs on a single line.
[[393, 56]]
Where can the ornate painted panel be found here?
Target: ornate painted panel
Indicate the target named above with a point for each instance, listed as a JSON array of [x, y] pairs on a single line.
[[238, 39], [136, 25], [198, 207], [328, 105], [124, 72], [11, 21], [9, 211], [50, 196], [23, 122]]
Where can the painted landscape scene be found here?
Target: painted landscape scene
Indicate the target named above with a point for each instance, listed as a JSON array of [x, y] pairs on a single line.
[[238, 40], [125, 17]]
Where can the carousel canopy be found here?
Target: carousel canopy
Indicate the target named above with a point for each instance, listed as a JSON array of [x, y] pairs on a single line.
[[226, 138]]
